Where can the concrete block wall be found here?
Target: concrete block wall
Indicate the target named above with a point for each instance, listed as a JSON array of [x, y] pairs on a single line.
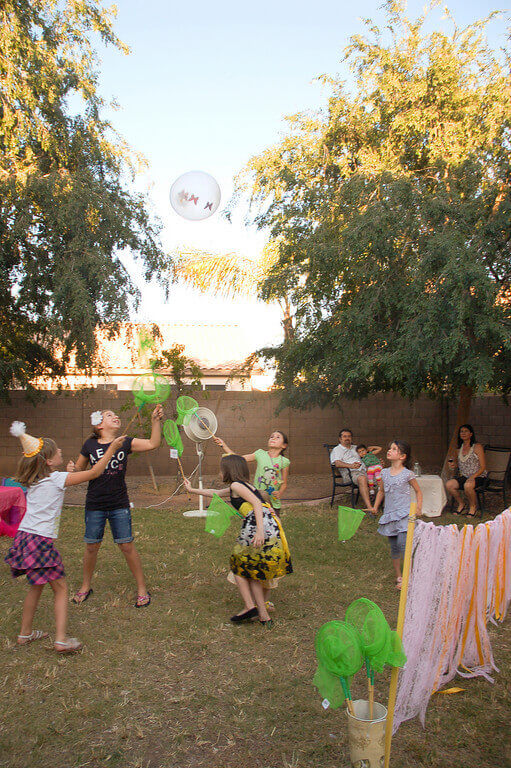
[[491, 420], [247, 418]]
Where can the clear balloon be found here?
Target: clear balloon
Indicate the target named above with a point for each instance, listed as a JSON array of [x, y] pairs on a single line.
[[195, 195]]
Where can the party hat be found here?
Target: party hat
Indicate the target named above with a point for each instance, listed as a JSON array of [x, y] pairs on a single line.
[[31, 445]]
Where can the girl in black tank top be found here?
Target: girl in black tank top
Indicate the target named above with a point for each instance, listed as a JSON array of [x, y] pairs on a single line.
[[260, 553], [237, 501]]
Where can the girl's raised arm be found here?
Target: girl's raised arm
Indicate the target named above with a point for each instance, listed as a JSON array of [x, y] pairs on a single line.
[[140, 445], [223, 444], [75, 478], [376, 449], [207, 492]]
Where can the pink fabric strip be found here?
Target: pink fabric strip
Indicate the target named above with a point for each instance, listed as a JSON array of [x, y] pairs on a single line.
[[456, 579]]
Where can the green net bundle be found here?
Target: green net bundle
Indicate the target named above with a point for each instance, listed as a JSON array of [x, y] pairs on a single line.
[[373, 630], [338, 648], [185, 406], [396, 656], [218, 516], [348, 522], [172, 436], [342, 647], [380, 645], [330, 686], [340, 656], [150, 388]]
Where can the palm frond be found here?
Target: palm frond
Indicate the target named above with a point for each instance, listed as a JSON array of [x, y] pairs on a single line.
[[225, 274]]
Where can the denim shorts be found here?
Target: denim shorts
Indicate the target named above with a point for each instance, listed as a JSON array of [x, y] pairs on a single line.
[[120, 525], [397, 545]]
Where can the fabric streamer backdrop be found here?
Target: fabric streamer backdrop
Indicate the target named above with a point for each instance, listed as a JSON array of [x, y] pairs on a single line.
[[460, 579]]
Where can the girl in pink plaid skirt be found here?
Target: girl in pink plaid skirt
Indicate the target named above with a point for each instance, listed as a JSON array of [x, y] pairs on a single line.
[[33, 552]]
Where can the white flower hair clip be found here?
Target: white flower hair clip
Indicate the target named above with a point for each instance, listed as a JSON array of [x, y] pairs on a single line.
[[96, 418]]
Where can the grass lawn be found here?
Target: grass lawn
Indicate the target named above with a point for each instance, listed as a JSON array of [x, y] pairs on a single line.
[[177, 686]]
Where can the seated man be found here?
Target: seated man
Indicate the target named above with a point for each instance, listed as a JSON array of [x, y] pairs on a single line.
[[345, 456]]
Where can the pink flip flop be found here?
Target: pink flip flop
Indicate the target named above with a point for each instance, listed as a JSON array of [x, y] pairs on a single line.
[[83, 596], [70, 645]]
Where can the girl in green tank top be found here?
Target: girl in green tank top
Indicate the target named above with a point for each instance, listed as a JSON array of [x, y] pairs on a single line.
[[272, 467]]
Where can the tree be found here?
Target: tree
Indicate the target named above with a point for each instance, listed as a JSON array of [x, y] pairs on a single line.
[[181, 368], [231, 275], [393, 204], [65, 210]]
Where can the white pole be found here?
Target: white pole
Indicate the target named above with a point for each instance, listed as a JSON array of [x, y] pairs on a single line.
[[200, 455]]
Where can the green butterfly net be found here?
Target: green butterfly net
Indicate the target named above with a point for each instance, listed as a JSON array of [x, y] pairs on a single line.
[[172, 436], [330, 686], [379, 644], [185, 406], [396, 656], [348, 522], [340, 656], [150, 388], [219, 516]]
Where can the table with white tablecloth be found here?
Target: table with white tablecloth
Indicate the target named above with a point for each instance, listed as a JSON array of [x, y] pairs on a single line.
[[434, 497]]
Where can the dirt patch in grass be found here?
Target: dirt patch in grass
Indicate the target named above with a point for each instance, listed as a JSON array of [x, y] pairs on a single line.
[[176, 685]]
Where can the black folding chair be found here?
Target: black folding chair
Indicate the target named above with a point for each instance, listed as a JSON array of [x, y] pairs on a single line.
[[338, 480], [498, 466]]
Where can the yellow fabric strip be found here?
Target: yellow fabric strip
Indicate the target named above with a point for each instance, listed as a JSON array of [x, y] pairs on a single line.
[[283, 539], [451, 690]]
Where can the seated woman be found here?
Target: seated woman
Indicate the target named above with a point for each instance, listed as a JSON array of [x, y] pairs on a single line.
[[470, 470]]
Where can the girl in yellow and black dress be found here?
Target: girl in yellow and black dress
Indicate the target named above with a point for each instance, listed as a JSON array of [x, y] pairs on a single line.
[[260, 553]]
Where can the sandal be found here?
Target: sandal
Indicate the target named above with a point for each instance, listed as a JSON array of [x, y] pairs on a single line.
[[399, 582], [70, 645], [143, 601], [267, 623], [37, 634], [81, 597]]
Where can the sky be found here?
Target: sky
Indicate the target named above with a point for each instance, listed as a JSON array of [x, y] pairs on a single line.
[[206, 87]]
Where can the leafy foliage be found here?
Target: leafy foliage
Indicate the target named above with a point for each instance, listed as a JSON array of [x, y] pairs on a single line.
[[65, 210], [392, 208], [181, 368]]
